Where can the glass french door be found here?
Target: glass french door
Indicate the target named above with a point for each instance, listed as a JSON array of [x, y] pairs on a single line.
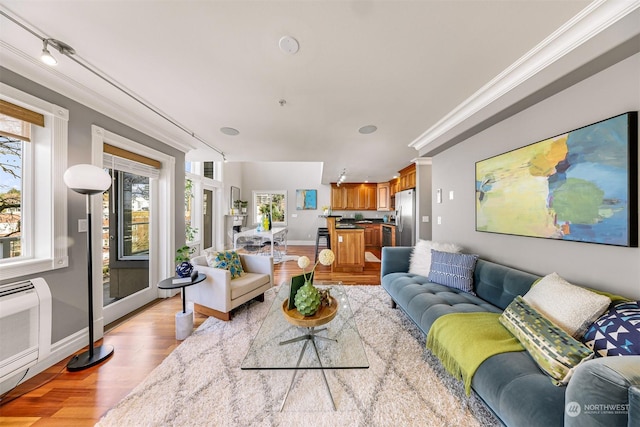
[[126, 235]]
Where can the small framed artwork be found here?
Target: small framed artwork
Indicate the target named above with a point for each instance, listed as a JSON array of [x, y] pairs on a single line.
[[306, 199]]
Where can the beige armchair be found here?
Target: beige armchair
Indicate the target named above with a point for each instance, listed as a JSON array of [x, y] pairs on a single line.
[[218, 294]]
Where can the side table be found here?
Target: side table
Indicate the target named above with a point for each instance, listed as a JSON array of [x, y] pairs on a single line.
[[184, 319]]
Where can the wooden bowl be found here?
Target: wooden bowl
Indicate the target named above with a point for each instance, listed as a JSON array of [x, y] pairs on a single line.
[[323, 315]]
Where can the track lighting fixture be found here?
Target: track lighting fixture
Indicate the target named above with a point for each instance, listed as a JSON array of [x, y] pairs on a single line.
[[61, 47], [46, 56], [342, 177]]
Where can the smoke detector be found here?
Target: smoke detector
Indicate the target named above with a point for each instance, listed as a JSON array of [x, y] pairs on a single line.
[[289, 45]]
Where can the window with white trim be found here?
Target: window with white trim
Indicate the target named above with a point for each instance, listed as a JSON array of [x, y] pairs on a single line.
[[33, 158]]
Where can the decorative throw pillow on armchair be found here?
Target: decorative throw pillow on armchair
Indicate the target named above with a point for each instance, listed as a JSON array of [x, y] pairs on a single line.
[[226, 260]]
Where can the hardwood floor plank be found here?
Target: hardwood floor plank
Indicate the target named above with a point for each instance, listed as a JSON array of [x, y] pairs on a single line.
[[57, 397]]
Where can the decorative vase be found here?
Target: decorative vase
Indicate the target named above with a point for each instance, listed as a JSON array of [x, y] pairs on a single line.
[[184, 269], [307, 299]]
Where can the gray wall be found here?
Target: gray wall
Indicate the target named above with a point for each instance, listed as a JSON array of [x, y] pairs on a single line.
[[69, 285], [424, 201], [608, 93]]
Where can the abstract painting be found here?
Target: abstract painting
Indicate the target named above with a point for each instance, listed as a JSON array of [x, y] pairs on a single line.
[[579, 186], [306, 199]]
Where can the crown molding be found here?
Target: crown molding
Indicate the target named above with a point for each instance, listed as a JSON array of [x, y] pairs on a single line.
[[589, 23]]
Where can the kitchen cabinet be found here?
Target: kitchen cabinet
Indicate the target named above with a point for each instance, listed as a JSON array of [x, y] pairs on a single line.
[[354, 196], [349, 250], [407, 178], [384, 196], [372, 237]]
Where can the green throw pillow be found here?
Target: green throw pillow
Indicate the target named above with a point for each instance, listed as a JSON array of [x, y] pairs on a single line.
[[226, 260], [554, 350]]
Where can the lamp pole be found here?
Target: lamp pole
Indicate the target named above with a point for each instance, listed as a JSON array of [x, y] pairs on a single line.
[[88, 179]]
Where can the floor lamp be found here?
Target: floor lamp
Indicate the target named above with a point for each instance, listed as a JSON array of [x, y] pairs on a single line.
[[88, 179]]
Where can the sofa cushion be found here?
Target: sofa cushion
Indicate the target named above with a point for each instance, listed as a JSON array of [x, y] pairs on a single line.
[[617, 332], [453, 270], [554, 350], [570, 307], [226, 260], [420, 261]]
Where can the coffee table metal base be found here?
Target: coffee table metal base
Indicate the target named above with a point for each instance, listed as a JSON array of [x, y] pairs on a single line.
[[309, 337]]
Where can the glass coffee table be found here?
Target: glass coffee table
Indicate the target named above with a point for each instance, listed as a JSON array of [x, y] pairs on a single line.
[[280, 344]]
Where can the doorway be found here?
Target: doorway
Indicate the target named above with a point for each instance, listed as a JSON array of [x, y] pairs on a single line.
[[126, 235]]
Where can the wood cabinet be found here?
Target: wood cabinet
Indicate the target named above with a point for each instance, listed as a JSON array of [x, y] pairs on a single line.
[[384, 196], [407, 178], [354, 197], [349, 250], [372, 235]]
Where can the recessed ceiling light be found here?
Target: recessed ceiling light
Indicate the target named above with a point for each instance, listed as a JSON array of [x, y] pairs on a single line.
[[289, 45], [229, 131], [367, 129]]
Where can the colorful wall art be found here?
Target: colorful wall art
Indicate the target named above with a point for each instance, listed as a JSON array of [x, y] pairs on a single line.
[[306, 199], [579, 186]]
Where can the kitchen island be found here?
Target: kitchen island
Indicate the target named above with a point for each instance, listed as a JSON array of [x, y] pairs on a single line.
[[347, 242]]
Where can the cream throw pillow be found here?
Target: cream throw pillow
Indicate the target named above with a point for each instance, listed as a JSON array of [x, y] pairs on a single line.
[[570, 307], [420, 262]]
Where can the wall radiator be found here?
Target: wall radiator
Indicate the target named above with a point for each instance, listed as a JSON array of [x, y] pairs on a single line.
[[25, 326]]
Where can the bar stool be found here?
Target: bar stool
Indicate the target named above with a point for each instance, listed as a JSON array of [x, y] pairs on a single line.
[[323, 232]]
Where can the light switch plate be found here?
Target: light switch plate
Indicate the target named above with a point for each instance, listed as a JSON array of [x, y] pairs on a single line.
[[451, 195], [439, 220], [82, 226], [294, 215], [425, 218]]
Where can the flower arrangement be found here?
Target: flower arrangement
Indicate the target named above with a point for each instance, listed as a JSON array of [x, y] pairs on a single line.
[[308, 299], [326, 257]]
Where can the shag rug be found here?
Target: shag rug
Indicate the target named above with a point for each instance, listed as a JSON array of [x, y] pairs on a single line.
[[201, 383]]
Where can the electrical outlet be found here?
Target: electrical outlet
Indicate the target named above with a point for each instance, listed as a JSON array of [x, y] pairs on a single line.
[[339, 239], [294, 215]]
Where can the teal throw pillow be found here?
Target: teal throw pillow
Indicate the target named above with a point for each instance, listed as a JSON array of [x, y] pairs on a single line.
[[555, 351], [226, 260], [453, 270]]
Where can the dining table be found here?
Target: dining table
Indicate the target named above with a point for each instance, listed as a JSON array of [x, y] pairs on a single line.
[[264, 235]]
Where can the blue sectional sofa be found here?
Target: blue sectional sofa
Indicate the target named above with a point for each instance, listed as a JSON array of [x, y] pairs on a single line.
[[511, 384]]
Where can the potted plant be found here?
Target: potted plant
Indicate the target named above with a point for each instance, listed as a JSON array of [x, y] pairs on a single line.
[[243, 205], [184, 267]]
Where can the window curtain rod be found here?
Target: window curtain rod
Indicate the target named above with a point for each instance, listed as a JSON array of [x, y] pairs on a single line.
[[111, 82]]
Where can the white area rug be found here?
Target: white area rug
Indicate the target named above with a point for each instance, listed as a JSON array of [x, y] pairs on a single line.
[[201, 383], [369, 257], [285, 258]]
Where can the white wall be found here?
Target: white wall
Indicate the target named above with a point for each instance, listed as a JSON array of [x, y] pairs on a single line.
[[289, 176], [617, 269]]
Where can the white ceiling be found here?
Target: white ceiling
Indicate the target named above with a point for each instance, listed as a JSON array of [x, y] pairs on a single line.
[[399, 65]]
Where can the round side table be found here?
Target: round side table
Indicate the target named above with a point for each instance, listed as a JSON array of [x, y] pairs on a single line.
[[184, 319]]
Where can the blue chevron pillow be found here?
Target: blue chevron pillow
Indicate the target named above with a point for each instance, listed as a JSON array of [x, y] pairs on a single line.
[[453, 270], [617, 332]]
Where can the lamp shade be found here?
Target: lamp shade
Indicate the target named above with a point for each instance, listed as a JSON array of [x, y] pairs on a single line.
[[87, 179]]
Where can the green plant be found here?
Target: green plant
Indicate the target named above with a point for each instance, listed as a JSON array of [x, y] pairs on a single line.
[[183, 254]]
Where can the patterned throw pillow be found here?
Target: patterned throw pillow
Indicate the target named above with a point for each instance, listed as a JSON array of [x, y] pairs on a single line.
[[453, 270], [617, 332], [226, 260], [571, 307], [556, 352]]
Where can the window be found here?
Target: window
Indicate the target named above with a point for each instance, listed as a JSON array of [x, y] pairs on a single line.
[[274, 202], [33, 197]]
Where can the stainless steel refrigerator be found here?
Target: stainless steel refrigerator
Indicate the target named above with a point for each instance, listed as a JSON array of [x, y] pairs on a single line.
[[406, 218]]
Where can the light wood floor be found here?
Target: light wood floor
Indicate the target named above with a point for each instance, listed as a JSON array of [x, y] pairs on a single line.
[[58, 397]]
